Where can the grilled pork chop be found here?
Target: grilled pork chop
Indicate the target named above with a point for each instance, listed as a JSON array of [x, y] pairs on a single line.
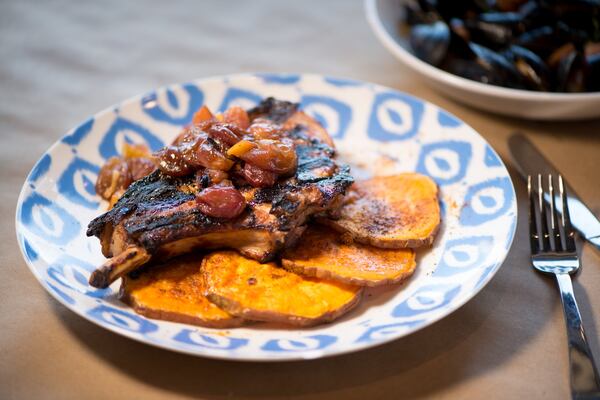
[[159, 217]]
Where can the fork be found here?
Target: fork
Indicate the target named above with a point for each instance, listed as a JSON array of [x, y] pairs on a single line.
[[553, 251]]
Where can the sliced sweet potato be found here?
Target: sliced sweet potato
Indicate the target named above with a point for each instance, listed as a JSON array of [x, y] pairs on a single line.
[[312, 127], [266, 292], [322, 253], [174, 292], [391, 211]]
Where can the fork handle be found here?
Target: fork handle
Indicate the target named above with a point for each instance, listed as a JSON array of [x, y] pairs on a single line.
[[585, 379]]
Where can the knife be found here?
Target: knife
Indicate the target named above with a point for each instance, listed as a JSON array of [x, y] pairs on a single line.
[[529, 161]]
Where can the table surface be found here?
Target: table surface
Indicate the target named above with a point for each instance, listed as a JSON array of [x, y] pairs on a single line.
[[63, 61]]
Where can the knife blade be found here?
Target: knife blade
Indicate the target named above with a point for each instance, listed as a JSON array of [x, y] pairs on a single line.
[[529, 161]]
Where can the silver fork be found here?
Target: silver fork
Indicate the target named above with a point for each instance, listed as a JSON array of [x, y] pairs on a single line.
[[553, 252]]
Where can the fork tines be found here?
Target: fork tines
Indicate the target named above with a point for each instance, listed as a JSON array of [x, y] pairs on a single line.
[[549, 229]]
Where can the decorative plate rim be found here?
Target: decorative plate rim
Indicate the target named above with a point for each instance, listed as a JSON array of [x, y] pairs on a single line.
[[309, 354]]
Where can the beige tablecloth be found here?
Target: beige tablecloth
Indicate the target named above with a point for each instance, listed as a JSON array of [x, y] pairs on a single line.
[[63, 61]]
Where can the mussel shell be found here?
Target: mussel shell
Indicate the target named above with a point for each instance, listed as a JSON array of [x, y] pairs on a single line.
[[583, 8], [573, 73], [511, 19], [469, 69], [525, 44], [509, 5], [593, 61], [415, 13], [501, 71], [430, 42], [534, 15], [542, 41], [533, 70], [449, 9], [486, 66], [489, 34]]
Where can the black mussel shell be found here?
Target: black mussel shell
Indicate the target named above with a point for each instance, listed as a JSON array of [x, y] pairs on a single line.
[[449, 9], [486, 66], [573, 73], [542, 41], [489, 34], [593, 61], [501, 71], [510, 19], [415, 13], [508, 5], [534, 15], [430, 42], [467, 68], [543, 45], [579, 15], [534, 71]]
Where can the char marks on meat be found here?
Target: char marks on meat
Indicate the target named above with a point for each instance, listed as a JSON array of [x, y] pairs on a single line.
[[159, 214]]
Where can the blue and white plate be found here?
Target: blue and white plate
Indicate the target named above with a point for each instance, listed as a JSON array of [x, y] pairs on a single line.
[[377, 130]]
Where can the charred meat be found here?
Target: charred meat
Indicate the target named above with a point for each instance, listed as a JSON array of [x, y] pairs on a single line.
[[242, 180]]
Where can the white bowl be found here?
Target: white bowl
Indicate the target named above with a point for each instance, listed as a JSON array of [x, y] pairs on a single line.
[[384, 16]]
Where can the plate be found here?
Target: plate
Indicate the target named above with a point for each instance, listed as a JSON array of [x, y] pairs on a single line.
[[377, 129], [384, 16]]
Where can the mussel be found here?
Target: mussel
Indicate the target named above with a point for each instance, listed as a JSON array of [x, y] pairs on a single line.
[[431, 41], [572, 72], [538, 45], [534, 72], [490, 34], [593, 61], [420, 12], [445, 47]]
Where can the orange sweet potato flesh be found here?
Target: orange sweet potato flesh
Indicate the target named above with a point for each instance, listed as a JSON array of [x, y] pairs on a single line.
[[322, 253], [266, 292], [395, 211], [174, 292]]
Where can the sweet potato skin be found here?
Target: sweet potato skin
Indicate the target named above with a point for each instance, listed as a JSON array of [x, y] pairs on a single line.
[[394, 212], [266, 292], [323, 253], [174, 292]]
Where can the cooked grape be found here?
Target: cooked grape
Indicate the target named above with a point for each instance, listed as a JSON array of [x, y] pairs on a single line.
[[258, 177], [186, 136], [221, 201], [238, 116], [171, 161], [208, 155], [140, 167], [264, 129], [226, 133], [210, 147], [113, 176], [272, 155]]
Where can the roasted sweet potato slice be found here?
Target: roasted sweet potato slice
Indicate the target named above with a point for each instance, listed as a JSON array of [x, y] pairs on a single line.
[[266, 292], [322, 253], [391, 211], [174, 292]]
